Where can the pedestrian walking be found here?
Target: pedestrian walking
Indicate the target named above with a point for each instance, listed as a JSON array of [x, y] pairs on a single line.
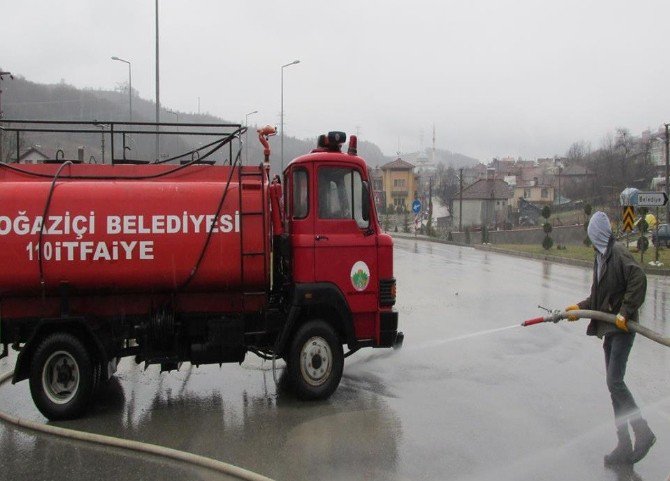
[[619, 287]]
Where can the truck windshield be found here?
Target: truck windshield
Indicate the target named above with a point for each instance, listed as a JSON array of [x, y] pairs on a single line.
[[341, 195]]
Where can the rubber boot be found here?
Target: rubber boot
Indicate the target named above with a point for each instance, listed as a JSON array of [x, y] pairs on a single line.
[[644, 439], [624, 449]]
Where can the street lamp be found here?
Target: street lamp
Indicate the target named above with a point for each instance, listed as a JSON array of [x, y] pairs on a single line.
[[130, 87], [282, 109], [246, 136], [158, 97], [2, 74], [173, 112], [667, 170]]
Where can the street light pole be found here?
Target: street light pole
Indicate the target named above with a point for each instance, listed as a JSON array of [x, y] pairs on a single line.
[[282, 109], [175, 113], [246, 136], [667, 170], [2, 74], [130, 87], [460, 201], [158, 97]]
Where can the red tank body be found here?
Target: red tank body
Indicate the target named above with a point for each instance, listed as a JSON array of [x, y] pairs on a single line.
[[117, 235], [193, 262]]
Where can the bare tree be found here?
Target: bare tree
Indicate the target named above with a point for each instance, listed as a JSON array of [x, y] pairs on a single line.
[[578, 152]]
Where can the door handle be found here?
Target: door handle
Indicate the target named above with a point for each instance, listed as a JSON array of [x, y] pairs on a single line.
[[320, 237]]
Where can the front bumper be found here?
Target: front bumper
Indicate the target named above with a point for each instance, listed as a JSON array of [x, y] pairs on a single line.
[[388, 331]]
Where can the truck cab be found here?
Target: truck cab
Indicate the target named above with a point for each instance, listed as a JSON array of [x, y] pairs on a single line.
[[337, 247]]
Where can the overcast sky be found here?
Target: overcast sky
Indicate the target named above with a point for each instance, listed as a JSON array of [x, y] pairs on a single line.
[[496, 77]]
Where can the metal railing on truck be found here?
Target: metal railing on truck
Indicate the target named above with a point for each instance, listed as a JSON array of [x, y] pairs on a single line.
[[115, 134]]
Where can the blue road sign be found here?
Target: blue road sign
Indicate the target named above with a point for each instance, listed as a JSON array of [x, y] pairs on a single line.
[[416, 206]]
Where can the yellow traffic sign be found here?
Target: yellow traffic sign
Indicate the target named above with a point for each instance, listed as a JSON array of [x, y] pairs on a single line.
[[628, 218]]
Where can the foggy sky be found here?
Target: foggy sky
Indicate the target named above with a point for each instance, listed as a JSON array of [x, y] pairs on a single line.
[[496, 77]]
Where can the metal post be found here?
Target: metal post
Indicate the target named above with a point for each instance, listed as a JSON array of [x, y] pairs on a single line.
[[158, 98], [657, 241], [558, 205], [460, 201], [281, 122], [246, 136], [667, 171], [130, 93], [130, 88], [2, 74], [282, 110]]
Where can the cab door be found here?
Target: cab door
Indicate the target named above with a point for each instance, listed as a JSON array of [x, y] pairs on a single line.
[[345, 244]]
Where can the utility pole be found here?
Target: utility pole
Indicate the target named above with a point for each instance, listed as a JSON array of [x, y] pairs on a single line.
[[558, 204], [430, 196]]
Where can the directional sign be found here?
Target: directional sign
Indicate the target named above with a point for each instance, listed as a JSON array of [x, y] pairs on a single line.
[[628, 218], [651, 199], [416, 206]]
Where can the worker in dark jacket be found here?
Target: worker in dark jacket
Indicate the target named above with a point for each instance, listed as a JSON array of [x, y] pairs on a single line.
[[619, 287]]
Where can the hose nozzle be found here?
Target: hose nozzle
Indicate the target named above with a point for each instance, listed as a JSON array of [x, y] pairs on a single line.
[[554, 316], [532, 322]]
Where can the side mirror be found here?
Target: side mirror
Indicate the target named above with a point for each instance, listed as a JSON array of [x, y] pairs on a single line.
[[366, 202]]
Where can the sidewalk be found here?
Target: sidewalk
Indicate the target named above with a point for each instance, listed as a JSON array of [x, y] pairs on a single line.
[[659, 271]]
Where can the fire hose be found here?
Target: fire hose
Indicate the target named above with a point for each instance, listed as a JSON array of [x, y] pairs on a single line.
[[599, 316], [193, 459]]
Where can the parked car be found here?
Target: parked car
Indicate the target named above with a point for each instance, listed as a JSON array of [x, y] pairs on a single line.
[[526, 221], [662, 237]]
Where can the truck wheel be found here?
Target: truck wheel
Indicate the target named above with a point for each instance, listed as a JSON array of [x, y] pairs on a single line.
[[315, 360], [61, 377]]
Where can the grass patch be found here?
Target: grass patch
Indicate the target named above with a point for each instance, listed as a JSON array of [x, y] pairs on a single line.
[[584, 253]]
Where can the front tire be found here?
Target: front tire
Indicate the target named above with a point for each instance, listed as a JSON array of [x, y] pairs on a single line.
[[62, 377], [315, 361]]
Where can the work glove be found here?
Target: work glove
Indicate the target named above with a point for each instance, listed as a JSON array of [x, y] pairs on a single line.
[[573, 307], [620, 322]]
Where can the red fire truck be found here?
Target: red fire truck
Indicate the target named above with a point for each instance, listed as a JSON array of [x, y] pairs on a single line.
[[188, 261]]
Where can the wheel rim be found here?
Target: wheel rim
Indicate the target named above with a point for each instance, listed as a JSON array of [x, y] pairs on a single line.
[[316, 361], [60, 377]]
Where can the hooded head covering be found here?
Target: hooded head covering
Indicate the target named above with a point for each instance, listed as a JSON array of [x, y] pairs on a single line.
[[600, 231]]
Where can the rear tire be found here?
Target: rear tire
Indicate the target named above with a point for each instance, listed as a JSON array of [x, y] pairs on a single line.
[[62, 377], [315, 361]]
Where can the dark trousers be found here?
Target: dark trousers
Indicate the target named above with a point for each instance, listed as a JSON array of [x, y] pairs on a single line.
[[617, 346]]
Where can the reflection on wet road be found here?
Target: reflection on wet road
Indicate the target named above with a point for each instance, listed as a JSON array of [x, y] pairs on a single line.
[[507, 404]]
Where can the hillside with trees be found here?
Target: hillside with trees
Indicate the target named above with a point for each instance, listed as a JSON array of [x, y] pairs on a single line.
[[23, 99]]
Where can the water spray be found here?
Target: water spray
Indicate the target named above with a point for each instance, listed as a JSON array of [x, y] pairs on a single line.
[[556, 315]]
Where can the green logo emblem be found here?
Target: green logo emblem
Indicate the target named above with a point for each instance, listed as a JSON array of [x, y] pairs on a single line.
[[360, 276]]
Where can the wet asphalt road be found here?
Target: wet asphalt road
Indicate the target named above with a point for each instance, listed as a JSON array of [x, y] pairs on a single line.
[[510, 404]]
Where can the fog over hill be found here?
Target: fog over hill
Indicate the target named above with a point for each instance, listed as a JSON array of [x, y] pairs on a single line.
[[23, 99]]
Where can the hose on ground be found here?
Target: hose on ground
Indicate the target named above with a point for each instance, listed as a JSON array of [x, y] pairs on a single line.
[[610, 318], [154, 449]]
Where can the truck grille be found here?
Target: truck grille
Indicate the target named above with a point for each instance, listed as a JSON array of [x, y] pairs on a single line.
[[387, 292]]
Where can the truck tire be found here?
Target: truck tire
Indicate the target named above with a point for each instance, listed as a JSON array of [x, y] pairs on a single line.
[[62, 377], [315, 360]]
